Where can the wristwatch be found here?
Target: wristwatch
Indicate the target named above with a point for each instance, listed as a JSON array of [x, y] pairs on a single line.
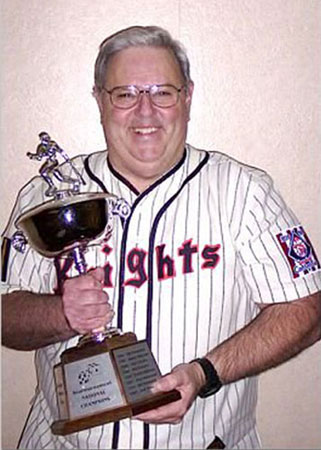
[[213, 383]]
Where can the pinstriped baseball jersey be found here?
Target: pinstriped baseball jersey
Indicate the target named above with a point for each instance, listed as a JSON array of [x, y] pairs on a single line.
[[202, 246]]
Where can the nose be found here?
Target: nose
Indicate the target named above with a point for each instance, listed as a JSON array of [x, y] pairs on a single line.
[[145, 105]]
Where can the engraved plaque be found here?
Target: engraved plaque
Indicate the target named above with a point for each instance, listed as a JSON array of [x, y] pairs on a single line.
[[92, 385], [137, 369]]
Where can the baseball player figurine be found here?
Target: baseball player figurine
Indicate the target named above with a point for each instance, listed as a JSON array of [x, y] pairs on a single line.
[[49, 150]]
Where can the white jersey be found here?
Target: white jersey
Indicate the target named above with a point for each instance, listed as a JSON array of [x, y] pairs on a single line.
[[201, 248]]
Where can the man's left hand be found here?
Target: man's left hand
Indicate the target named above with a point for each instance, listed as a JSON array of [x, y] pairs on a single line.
[[187, 379]]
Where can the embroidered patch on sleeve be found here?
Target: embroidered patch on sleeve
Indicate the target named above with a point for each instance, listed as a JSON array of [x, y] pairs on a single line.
[[299, 251]]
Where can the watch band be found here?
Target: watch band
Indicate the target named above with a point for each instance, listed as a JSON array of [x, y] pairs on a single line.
[[213, 383]]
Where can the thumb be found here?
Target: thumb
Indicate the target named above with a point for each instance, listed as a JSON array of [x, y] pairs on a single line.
[[98, 274], [165, 383]]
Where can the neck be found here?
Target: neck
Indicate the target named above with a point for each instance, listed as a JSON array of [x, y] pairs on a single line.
[[144, 174], [139, 182]]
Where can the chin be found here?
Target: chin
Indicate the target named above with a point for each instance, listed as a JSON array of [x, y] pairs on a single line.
[[149, 155]]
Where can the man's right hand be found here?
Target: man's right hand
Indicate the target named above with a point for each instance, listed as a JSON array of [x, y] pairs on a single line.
[[85, 303]]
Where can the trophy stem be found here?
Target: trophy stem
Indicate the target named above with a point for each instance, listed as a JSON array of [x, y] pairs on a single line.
[[99, 334], [80, 262]]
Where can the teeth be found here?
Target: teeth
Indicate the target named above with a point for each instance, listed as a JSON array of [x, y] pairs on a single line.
[[145, 130]]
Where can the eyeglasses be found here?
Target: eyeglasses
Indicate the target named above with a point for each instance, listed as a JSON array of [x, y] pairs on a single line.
[[162, 95]]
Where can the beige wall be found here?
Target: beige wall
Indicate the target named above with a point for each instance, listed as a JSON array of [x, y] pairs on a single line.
[[256, 66]]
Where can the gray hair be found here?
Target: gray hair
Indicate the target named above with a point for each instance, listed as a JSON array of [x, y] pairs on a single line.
[[134, 37]]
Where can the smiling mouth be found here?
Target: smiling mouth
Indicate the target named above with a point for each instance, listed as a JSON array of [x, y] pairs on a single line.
[[146, 130]]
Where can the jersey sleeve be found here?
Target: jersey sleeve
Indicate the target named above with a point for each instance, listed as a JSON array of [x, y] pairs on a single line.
[[277, 256], [25, 269]]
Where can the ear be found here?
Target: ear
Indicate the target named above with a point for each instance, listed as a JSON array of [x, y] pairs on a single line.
[[189, 91], [189, 95], [98, 96]]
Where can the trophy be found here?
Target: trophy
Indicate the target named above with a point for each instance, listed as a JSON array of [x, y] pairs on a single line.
[[108, 375]]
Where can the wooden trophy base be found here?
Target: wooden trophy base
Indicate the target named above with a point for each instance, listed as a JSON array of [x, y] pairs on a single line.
[[63, 427], [103, 382]]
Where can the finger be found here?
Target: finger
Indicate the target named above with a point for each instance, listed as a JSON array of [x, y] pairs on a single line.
[[73, 297], [157, 421], [86, 325], [84, 311], [90, 311], [81, 283], [98, 274], [170, 413], [173, 380], [93, 297], [165, 383]]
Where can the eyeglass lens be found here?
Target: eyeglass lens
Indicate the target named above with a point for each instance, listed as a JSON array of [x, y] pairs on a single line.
[[127, 96]]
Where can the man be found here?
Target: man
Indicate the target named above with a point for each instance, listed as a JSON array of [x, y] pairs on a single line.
[[210, 267]]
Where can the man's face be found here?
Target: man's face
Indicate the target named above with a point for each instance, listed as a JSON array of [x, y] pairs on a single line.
[[144, 141]]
